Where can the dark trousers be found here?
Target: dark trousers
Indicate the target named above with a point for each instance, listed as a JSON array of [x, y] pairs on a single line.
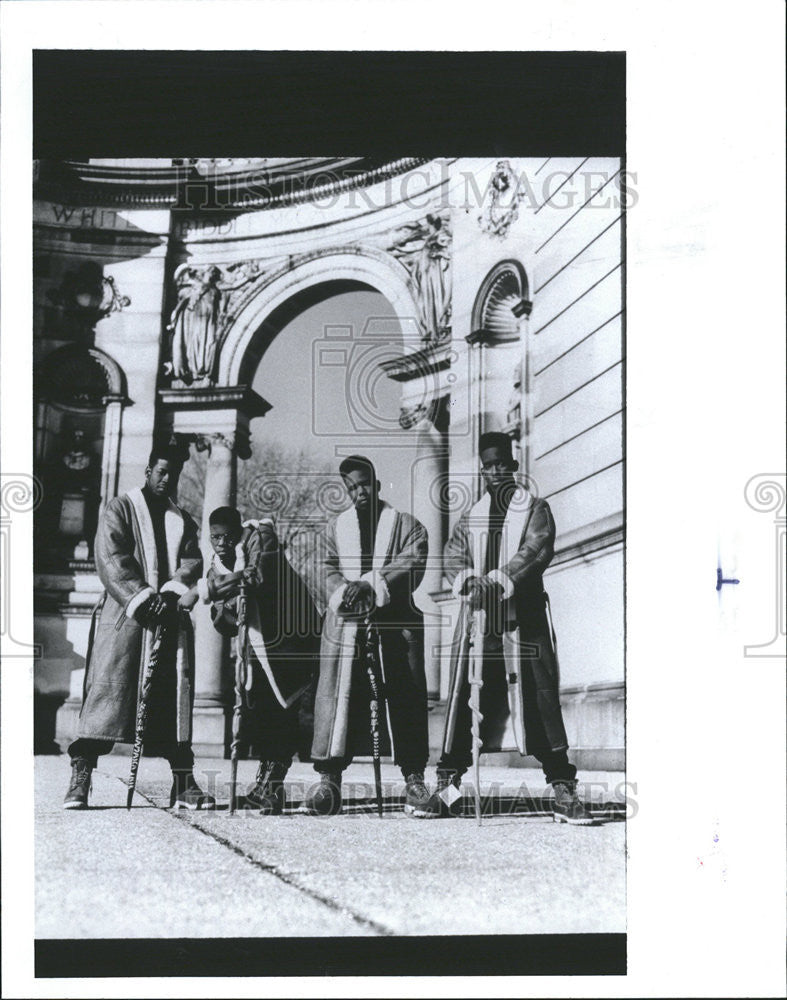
[[179, 755], [494, 708], [403, 701], [270, 728]]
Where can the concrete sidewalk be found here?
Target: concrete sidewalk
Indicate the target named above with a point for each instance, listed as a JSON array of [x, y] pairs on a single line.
[[150, 872]]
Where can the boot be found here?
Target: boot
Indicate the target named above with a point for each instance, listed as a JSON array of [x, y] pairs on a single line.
[[566, 807], [267, 795], [417, 797], [446, 799], [186, 793], [80, 786], [325, 799]]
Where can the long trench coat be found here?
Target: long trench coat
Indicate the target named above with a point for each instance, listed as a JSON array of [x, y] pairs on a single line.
[[400, 552], [119, 646], [535, 719], [283, 624]]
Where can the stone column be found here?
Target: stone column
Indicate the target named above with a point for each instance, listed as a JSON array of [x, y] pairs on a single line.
[[426, 386], [110, 463], [217, 419], [478, 418], [221, 479], [522, 311], [429, 482]]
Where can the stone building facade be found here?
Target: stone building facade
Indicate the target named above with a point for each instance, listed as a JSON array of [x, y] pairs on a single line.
[[159, 285]]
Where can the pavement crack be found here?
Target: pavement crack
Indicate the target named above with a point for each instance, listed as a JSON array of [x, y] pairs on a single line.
[[285, 877]]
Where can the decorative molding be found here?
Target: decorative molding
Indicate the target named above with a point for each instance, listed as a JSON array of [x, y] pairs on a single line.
[[500, 303], [211, 415], [497, 217], [435, 411], [207, 398], [594, 540], [78, 377], [83, 298], [478, 336], [267, 270], [409, 416], [360, 263], [239, 284], [112, 300], [207, 442], [89, 292], [419, 364], [189, 185]]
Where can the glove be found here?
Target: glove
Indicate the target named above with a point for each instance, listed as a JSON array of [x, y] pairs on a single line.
[[358, 598], [148, 614], [170, 598], [169, 609], [483, 593]]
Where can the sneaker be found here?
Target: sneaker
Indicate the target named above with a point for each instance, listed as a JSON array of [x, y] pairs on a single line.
[[186, 793], [325, 799], [267, 795], [417, 797], [446, 799], [80, 786], [566, 807]]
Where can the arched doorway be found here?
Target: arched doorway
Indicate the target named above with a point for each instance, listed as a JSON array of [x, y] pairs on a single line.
[[498, 342], [80, 394], [317, 341], [348, 336]]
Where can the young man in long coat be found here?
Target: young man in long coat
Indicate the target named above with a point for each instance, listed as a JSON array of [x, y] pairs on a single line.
[[282, 628], [147, 555], [372, 558], [495, 560]]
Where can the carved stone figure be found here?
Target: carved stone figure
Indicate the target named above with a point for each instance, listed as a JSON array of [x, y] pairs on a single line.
[[425, 250], [195, 320]]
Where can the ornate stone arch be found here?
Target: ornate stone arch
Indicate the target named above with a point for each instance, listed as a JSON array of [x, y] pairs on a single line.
[[499, 362], [74, 375], [82, 389], [501, 300], [364, 266]]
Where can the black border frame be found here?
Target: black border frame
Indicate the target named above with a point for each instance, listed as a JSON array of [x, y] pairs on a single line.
[[135, 103]]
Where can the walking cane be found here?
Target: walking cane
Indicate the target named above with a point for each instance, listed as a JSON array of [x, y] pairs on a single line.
[[371, 658], [142, 709], [241, 666], [477, 628]]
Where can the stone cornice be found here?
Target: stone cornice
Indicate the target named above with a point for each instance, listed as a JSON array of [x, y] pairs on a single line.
[[418, 364], [185, 188], [239, 397]]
